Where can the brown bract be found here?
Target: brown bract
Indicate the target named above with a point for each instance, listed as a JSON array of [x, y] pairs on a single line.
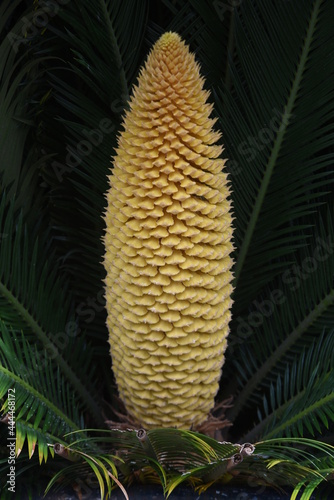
[[168, 245]]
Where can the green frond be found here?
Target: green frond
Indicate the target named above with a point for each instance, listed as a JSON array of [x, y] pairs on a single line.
[[300, 463], [29, 283], [102, 467], [278, 150], [108, 25], [14, 133], [303, 398], [173, 455], [26, 485], [34, 299], [97, 50], [64, 476], [290, 316], [44, 406], [35, 437], [20, 72]]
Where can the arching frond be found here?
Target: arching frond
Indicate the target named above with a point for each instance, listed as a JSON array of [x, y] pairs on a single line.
[[33, 299], [44, 404], [183, 456], [302, 400], [97, 50], [279, 150], [292, 315], [19, 73]]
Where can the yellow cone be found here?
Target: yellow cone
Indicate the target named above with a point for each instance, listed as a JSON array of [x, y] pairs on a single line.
[[168, 245]]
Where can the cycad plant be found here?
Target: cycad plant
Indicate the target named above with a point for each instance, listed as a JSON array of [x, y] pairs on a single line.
[[67, 71]]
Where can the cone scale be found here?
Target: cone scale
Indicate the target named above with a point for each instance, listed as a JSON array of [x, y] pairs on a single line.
[[167, 246]]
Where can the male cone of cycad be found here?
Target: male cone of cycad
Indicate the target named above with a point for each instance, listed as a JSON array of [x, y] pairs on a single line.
[[167, 246]]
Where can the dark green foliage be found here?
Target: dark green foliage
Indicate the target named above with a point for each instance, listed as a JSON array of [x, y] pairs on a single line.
[[67, 70], [174, 456]]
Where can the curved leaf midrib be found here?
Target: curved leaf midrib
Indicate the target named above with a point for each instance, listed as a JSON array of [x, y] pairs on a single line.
[[37, 395], [118, 56], [46, 341], [297, 416], [277, 143], [310, 409], [277, 354]]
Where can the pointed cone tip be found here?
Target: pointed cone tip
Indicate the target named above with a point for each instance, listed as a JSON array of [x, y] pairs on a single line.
[[168, 39]]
